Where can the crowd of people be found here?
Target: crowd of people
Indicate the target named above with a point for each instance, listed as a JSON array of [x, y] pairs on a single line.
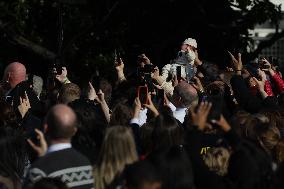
[[189, 125]]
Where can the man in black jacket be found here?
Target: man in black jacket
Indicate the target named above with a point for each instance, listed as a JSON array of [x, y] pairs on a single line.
[[15, 76], [60, 159]]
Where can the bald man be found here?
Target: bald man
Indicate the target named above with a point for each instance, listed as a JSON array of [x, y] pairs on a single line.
[[185, 96], [60, 124], [61, 160], [15, 75]]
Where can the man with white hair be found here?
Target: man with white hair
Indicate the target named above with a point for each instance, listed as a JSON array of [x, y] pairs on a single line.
[[187, 59]]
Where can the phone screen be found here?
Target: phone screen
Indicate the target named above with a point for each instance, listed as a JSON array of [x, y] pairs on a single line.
[[161, 94], [143, 94], [216, 109], [178, 73]]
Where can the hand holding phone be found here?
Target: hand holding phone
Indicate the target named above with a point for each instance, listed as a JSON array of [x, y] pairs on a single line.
[[217, 104], [142, 94]]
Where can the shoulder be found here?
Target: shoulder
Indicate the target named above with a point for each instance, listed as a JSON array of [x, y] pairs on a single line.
[[60, 156], [36, 174]]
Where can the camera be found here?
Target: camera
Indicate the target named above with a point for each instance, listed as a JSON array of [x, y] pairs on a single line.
[[58, 68], [146, 70], [149, 68]]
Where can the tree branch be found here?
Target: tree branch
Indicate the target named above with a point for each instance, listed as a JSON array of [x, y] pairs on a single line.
[[35, 48], [25, 43], [87, 30], [264, 44]]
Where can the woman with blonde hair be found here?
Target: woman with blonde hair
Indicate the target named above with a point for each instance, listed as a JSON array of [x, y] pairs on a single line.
[[118, 150]]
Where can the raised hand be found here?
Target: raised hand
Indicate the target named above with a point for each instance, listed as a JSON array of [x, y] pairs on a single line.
[[62, 78], [42, 148], [262, 75], [198, 85], [137, 107], [199, 118], [261, 83], [151, 106], [236, 62], [197, 61], [119, 66], [101, 99], [156, 74], [269, 69], [101, 96], [92, 95], [24, 105], [224, 125]]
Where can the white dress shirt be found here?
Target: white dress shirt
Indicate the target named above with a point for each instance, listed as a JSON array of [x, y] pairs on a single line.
[[57, 147], [179, 113], [142, 118]]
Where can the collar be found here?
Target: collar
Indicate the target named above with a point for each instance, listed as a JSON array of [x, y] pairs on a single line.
[[180, 109], [58, 147]]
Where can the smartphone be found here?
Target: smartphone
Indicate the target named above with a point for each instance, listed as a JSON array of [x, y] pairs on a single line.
[[178, 73], [149, 68], [117, 57], [159, 98], [217, 106], [142, 94], [252, 69], [96, 80]]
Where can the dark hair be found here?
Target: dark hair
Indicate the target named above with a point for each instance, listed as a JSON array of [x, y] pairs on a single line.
[[13, 156], [211, 72], [57, 129], [275, 118], [175, 168], [250, 167], [49, 183], [121, 114], [69, 92], [167, 132], [106, 87], [146, 132], [91, 128], [139, 173], [7, 115], [281, 100]]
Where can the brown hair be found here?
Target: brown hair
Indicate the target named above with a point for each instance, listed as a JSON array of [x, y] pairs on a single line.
[[279, 151], [275, 118], [117, 151], [69, 92], [121, 114], [7, 115], [270, 140], [217, 160]]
